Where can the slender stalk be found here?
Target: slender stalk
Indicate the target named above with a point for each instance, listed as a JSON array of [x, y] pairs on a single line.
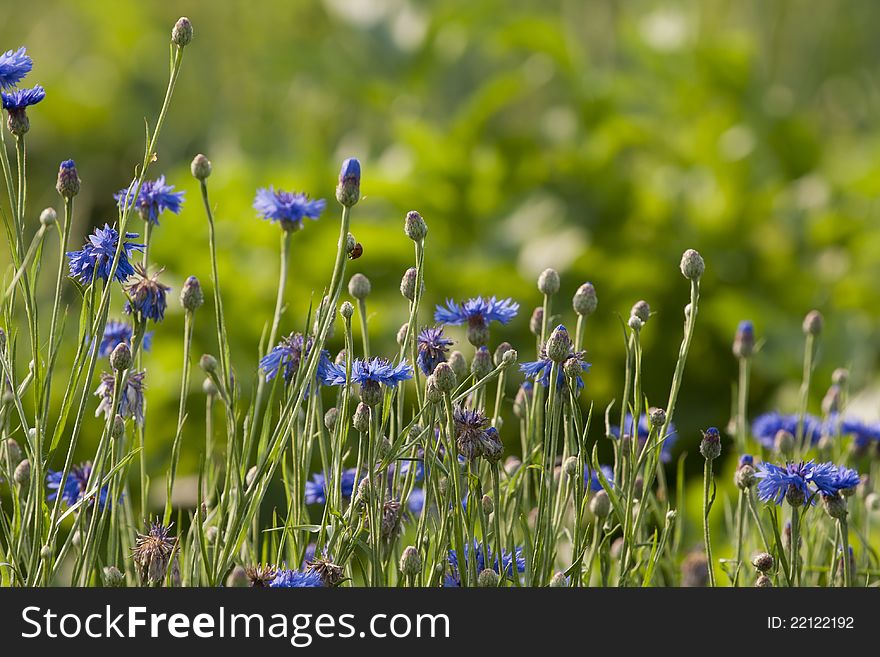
[[181, 413], [707, 481]]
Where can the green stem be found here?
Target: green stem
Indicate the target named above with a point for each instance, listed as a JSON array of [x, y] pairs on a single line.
[[707, 480]]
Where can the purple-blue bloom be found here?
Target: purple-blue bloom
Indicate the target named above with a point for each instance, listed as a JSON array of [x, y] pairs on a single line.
[[316, 489], [540, 369], [644, 429], [74, 486], [591, 479], [766, 426], [433, 346], [509, 566], [154, 198], [416, 501], [377, 370], [476, 312], [96, 256], [287, 355], [147, 296], [845, 478], [809, 478], [14, 66], [289, 208], [21, 99], [294, 579], [863, 433], [116, 332]]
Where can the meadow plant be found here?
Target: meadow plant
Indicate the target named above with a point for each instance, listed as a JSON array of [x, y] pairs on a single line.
[[326, 464]]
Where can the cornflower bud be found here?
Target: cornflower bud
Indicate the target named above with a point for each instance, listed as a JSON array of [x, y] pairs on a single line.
[[710, 445], [348, 191], [487, 578], [570, 466], [238, 578], [330, 418], [481, 365], [113, 577], [408, 284], [361, 418], [22, 474], [558, 581], [191, 295], [48, 217], [763, 562], [642, 310], [600, 504], [414, 226], [783, 442], [346, 310], [433, 395], [359, 286], [502, 349], [834, 505], [813, 323], [558, 344], [585, 301], [120, 357], [68, 184], [410, 562], [201, 167], [182, 33], [548, 282], [445, 377], [209, 387], [763, 582], [635, 323], [692, 265], [208, 363], [744, 340], [458, 364], [488, 505], [401, 333], [536, 322]]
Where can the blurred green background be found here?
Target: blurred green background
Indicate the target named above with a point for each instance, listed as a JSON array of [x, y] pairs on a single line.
[[601, 138]]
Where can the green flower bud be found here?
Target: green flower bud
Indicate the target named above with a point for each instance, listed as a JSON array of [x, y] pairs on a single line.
[[642, 310], [692, 265], [191, 295], [410, 562], [548, 282], [487, 578], [600, 504], [414, 226], [48, 217], [359, 286], [813, 323], [120, 357], [201, 167], [113, 577], [182, 33], [585, 300], [361, 418], [346, 310], [445, 377]]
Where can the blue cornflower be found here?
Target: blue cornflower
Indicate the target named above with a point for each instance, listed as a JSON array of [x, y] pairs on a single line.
[[154, 198], [74, 485], [14, 65], [294, 579], [509, 566], [287, 355], [477, 311], [416, 501], [147, 296], [20, 99], [591, 479], [863, 433], [289, 208], [766, 426], [644, 429], [131, 402], [539, 370], [432, 348], [845, 479], [375, 370], [795, 480], [316, 489], [115, 333], [96, 256]]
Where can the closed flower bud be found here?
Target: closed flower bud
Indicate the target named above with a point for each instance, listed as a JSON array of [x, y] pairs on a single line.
[[445, 377], [834, 505], [572, 368], [359, 286], [22, 474], [113, 577], [410, 562], [796, 498], [502, 349], [458, 364], [783, 442], [346, 310], [238, 578], [330, 418], [48, 217], [348, 191], [402, 333], [570, 466], [487, 504], [642, 310], [635, 323], [191, 295], [744, 340], [510, 357], [813, 323], [558, 344], [536, 322], [478, 334], [558, 581], [408, 284], [744, 477], [201, 167], [481, 365], [600, 504], [763, 562], [840, 376], [414, 226], [209, 387], [117, 431], [182, 33], [68, 180], [45, 553], [120, 357], [763, 582], [657, 417], [710, 445], [361, 418], [585, 301], [692, 265], [548, 282], [208, 363], [433, 394], [487, 578], [10, 452], [371, 393]]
